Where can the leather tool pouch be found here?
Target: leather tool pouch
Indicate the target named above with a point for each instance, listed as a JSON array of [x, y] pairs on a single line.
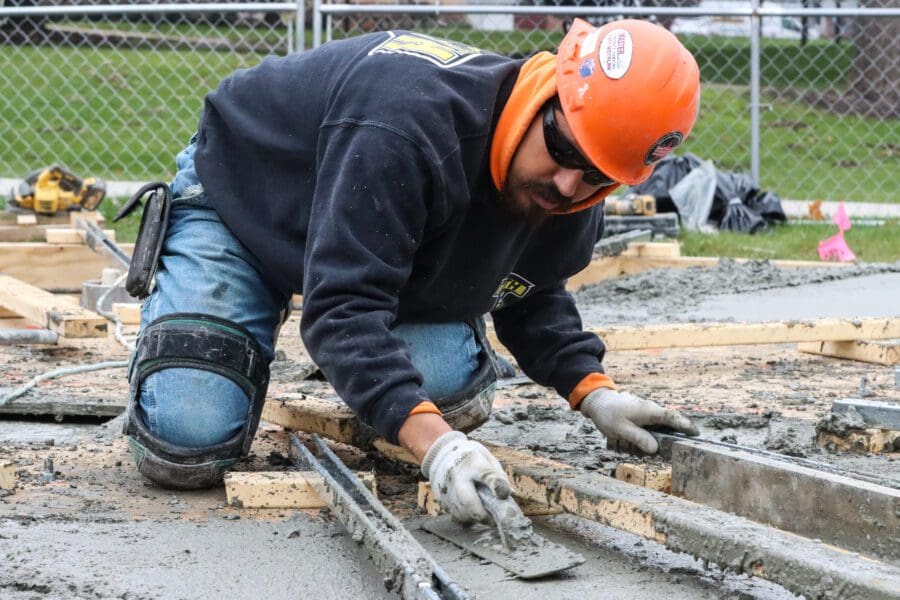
[[152, 232]]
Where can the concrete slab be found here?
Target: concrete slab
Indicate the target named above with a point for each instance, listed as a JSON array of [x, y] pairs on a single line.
[[846, 512]]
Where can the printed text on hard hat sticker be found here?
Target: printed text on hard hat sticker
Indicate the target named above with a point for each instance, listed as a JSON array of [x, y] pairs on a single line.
[[615, 53]]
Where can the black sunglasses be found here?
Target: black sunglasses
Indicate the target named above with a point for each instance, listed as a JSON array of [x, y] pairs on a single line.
[[565, 153]]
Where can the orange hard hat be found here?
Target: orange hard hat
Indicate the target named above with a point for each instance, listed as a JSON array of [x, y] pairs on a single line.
[[630, 92]]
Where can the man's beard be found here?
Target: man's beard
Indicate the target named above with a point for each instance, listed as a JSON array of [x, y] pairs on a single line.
[[514, 200]]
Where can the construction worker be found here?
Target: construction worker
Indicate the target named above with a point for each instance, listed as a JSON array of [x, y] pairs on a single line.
[[406, 186]]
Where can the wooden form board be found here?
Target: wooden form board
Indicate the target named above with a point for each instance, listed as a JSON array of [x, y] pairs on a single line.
[[280, 489], [878, 352], [56, 313], [7, 475], [54, 266], [70, 235], [738, 334], [655, 478], [426, 501]]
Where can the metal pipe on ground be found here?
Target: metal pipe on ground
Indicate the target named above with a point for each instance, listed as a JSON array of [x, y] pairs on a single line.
[[8, 337]]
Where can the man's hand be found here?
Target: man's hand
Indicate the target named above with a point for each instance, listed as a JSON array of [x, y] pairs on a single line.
[[453, 464], [621, 416]]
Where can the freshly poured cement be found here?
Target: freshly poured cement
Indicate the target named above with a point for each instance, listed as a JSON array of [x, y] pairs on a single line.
[[741, 292]]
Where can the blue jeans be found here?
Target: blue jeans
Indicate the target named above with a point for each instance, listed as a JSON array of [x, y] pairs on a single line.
[[205, 269]]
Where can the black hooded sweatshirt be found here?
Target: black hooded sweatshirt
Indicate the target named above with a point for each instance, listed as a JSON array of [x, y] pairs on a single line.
[[358, 175]]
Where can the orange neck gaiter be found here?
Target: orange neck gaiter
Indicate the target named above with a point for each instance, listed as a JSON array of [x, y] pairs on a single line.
[[535, 85]]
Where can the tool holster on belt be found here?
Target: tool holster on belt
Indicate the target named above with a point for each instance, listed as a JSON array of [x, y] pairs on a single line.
[[152, 232]]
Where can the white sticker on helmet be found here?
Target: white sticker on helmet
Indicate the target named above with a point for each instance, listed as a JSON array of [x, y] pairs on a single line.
[[589, 44], [615, 53]]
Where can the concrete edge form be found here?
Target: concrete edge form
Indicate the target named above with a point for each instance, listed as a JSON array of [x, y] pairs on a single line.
[[856, 515], [876, 414], [803, 566]]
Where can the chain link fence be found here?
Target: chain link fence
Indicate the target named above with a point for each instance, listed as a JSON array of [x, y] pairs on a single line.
[[115, 90]]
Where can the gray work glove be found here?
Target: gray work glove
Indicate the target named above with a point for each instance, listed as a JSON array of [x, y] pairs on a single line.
[[453, 464], [621, 416]]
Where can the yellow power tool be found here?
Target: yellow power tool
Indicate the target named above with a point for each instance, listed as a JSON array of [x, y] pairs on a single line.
[[631, 204], [54, 189]]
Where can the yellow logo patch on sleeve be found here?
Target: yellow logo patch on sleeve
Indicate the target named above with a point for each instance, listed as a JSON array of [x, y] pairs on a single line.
[[513, 287], [443, 53]]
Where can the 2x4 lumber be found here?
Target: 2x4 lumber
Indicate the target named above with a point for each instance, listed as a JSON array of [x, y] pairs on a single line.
[[7, 475], [69, 235], [54, 266], [428, 504], [280, 489], [57, 314], [736, 334], [691, 335], [804, 566], [129, 313], [849, 513], [26, 220], [882, 353], [875, 413], [654, 478]]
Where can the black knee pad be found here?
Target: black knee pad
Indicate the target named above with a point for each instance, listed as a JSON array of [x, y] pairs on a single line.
[[194, 341]]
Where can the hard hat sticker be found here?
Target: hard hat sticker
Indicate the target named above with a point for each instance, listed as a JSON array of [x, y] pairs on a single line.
[[587, 68], [614, 54], [663, 147], [589, 44]]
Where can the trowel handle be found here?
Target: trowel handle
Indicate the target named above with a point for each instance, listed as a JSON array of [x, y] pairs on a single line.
[[505, 514]]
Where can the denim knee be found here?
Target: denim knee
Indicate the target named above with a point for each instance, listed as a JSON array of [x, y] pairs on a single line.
[[200, 408]]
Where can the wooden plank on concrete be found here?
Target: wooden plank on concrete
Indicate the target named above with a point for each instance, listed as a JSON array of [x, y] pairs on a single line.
[[280, 489], [879, 352], [804, 566], [690, 335], [426, 502], [8, 475], [15, 233], [736, 334], [129, 313], [849, 513], [54, 266], [69, 235], [655, 478], [330, 418], [53, 312], [26, 219]]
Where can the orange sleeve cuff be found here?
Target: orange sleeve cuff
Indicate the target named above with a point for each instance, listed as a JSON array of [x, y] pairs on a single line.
[[424, 407], [587, 385]]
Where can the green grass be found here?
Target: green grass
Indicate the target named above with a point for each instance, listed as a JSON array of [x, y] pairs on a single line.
[[799, 242], [807, 153]]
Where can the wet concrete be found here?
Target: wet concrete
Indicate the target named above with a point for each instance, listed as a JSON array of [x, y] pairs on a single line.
[[752, 291]]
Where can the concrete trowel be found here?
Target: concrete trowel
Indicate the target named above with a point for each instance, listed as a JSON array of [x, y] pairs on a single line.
[[510, 543]]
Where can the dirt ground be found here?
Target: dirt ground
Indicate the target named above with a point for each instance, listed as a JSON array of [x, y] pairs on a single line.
[[768, 397]]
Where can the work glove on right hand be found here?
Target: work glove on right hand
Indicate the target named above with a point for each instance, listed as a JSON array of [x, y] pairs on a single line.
[[621, 416], [453, 465]]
